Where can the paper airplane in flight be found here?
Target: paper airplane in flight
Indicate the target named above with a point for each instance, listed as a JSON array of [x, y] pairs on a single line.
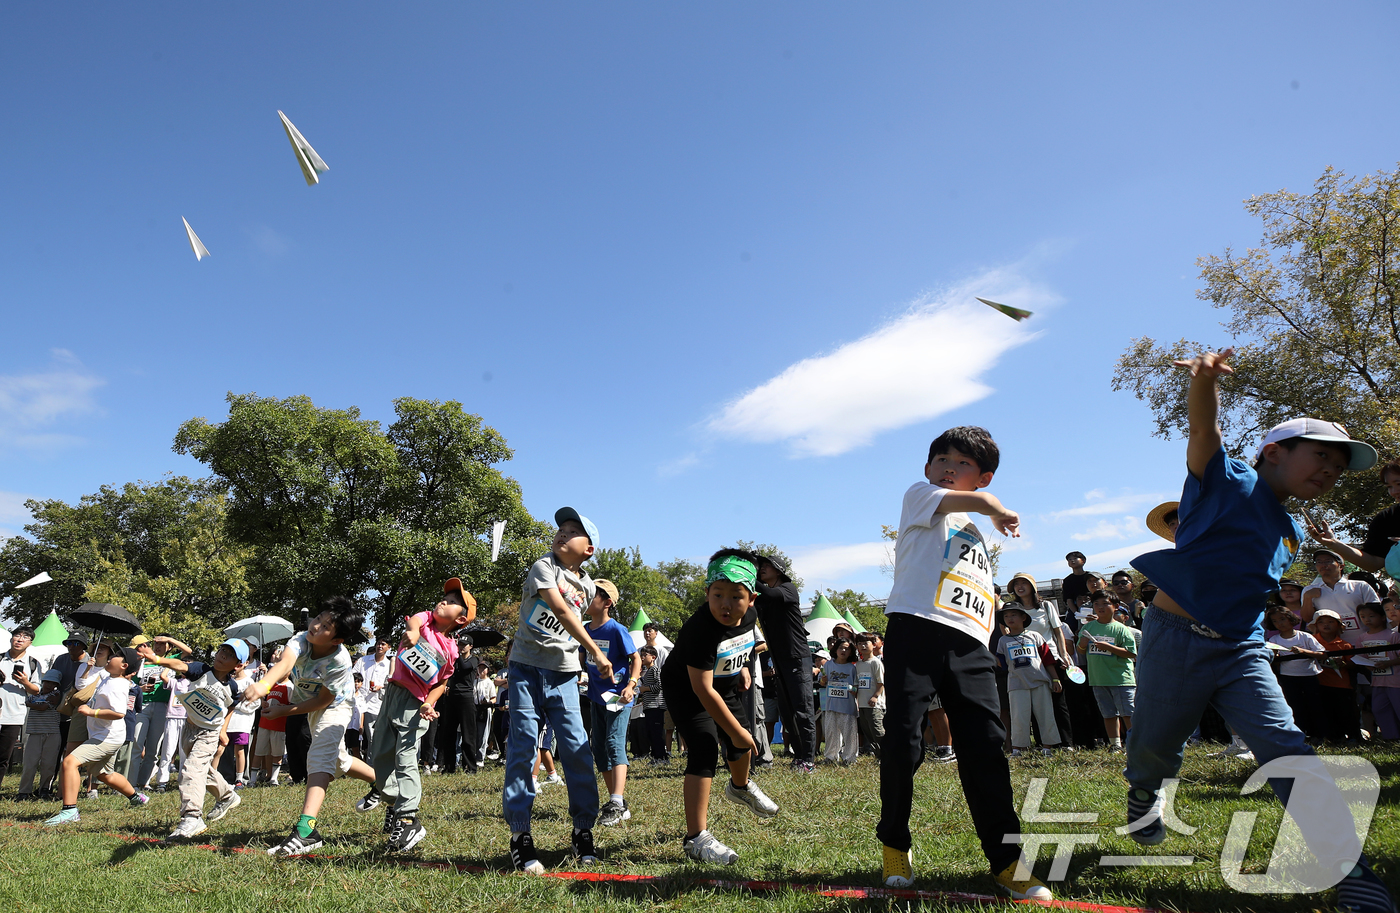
[[311, 164], [41, 577], [497, 530], [1008, 310], [200, 251]]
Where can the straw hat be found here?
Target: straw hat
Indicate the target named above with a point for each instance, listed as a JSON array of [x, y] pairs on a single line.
[[1156, 519]]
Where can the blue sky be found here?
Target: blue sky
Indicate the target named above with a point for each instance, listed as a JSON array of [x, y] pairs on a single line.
[[709, 268]]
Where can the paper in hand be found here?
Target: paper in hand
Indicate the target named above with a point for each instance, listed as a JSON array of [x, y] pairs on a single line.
[[1008, 310], [498, 529], [200, 251], [41, 577], [312, 165]]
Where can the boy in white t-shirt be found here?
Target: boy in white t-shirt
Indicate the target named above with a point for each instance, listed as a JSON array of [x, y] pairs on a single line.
[[106, 733], [870, 692], [940, 620]]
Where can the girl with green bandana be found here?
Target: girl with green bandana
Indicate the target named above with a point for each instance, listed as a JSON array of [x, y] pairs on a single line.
[[702, 681]]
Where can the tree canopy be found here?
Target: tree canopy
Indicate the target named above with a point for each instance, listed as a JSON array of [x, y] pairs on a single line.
[[1314, 316]]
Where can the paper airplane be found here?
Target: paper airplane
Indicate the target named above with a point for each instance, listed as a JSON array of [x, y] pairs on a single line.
[[311, 163], [41, 577], [200, 251], [497, 530], [1008, 310]]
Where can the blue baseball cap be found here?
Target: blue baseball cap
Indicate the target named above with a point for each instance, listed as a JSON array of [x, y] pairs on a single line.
[[568, 513], [240, 648]]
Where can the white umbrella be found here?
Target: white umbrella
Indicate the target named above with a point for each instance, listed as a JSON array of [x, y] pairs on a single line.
[[266, 628]]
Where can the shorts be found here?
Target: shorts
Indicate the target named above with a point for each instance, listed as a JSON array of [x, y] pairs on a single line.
[[270, 742], [936, 703], [327, 754], [609, 737], [77, 728], [93, 752], [1115, 700], [240, 738], [704, 737], [546, 738]]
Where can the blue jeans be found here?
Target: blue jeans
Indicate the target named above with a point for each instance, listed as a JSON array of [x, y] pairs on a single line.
[[537, 695], [1180, 672], [610, 736]]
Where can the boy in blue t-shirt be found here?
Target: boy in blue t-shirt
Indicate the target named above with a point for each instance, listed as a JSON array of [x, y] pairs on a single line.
[[612, 697], [1203, 639]]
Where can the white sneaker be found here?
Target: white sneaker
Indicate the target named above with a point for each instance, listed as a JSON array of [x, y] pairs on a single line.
[[703, 847], [753, 797], [224, 806], [187, 828], [553, 778]]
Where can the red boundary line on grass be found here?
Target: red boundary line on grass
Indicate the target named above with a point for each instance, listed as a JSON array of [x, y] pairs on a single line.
[[850, 892]]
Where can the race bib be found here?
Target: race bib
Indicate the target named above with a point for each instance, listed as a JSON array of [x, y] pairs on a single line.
[[965, 583], [204, 708], [422, 660], [838, 691], [1096, 647], [542, 620], [865, 682], [732, 654], [1349, 623], [603, 646], [1377, 643]]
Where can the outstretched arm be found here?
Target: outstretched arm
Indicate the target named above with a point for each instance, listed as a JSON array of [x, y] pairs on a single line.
[[1203, 407], [1007, 522]]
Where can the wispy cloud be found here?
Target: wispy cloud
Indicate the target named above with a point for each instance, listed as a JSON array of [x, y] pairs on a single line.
[[1111, 529], [830, 563], [29, 403], [13, 513], [1101, 504], [677, 466], [269, 241], [916, 367]]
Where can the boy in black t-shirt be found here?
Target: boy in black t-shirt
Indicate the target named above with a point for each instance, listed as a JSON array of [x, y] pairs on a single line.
[[701, 681]]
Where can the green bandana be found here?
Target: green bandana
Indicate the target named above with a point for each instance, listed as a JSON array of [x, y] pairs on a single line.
[[734, 569]]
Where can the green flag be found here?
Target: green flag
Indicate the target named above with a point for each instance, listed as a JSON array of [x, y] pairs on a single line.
[[51, 633]]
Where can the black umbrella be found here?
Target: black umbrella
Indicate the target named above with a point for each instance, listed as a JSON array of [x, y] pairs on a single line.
[[107, 618], [484, 637]]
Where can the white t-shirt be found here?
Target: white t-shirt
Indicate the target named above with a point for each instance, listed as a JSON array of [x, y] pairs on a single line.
[[941, 568], [374, 673], [111, 694], [1298, 667], [870, 674], [13, 710], [485, 691], [1343, 599], [240, 720], [1044, 621]]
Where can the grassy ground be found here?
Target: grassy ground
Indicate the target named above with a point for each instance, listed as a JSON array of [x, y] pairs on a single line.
[[823, 835]]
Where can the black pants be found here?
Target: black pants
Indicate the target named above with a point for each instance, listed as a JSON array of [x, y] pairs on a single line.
[[923, 657], [1340, 712], [482, 713], [9, 741], [792, 660], [458, 720], [656, 729], [1304, 699], [298, 743]]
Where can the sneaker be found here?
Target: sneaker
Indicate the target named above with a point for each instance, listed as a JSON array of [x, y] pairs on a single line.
[[1145, 824], [239, 784], [162, 787], [371, 800], [703, 847], [798, 767], [188, 827], [553, 778], [493, 755], [1030, 888], [66, 816], [389, 818], [582, 847], [138, 799], [898, 868], [522, 855], [1045, 752], [536, 781], [224, 806], [297, 845], [943, 754], [1362, 892], [408, 832], [92, 794], [1015, 752], [753, 797], [614, 813]]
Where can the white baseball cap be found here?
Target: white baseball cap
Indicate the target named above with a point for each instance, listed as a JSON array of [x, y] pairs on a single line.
[[1363, 455]]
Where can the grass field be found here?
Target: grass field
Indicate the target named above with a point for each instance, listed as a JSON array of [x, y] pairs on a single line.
[[824, 834]]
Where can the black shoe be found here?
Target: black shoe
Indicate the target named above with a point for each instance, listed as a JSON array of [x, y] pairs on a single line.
[[370, 800], [407, 834], [1362, 892], [583, 849], [389, 817], [522, 854], [296, 845]]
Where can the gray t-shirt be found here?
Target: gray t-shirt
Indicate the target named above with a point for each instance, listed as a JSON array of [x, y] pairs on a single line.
[[1024, 669], [540, 639]]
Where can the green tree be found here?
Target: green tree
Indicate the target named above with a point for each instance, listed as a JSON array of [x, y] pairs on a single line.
[[1314, 316], [639, 586], [685, 581], [331, 504], [860, 605], [159, 550]]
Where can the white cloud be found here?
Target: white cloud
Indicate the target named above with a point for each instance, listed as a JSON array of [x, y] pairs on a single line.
[[677, 466], [13, 513], [1100, 504], [826, 564], [1110, 529], [914, 368], [31, 402]]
